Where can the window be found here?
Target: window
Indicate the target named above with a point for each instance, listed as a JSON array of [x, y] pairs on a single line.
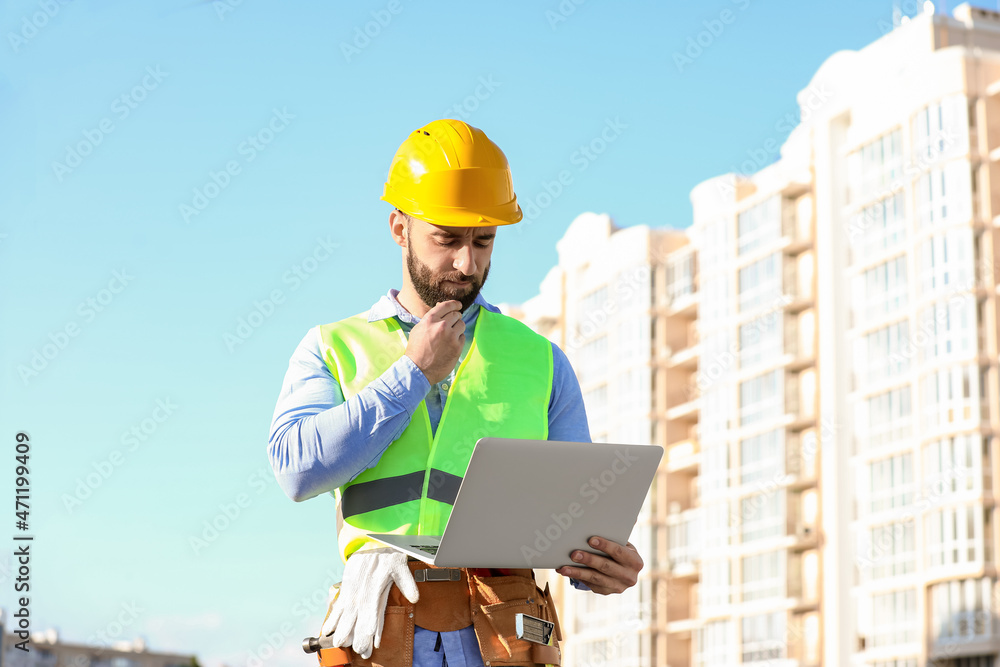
[[715, 250], [760, 283], [714, 591], [719, 358], [595, 402], [762, 515], [713, 642], [888, 484], [680, 275], [715, 299], [893, 619], [761, 338], [962, 610], [948, 329], [877, 167], [717, 514], [944, 195], [881, 290], [885, 418], [884, 353], [632, 289], [684, 534], [762, 398], [950, 397], [888, 550], [632, 340], [593, 311], [954, 535], [764, 638], [941, 129], [592, 361], [902, 662], [955, 465], [759, 225], [878, 228], [763, 576], [762, 457], [715, 467], [717, 409], [632, 395], [946, 261]]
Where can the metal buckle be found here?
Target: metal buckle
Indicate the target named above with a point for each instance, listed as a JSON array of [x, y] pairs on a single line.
[[437, 574], [533, 629]]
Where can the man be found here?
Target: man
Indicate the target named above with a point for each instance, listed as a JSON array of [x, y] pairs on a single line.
[[378, 409]]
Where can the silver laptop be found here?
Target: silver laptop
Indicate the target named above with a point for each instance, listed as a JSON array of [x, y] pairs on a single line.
[[531, 503]]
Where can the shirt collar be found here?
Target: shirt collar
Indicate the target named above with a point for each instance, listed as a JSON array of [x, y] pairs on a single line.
[[388, 306]]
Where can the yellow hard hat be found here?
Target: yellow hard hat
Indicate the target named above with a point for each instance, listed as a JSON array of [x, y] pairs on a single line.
[[450, 173]]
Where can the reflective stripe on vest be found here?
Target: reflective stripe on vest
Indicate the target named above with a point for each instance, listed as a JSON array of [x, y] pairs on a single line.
[[501, 389]]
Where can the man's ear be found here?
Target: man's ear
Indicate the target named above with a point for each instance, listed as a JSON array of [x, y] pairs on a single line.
[[398, 228]]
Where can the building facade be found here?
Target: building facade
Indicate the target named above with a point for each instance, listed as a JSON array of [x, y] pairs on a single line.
[[46, 650], [818, 355]]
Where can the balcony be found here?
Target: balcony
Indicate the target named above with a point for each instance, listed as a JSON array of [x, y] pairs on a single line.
[[798, 343], [796, 226], [804, 653], [681, 288], [688, 410], [970, 633], [796, 284], [684, 304], [683, 456], [798, 184], [806, 536], [801, 453], [801, 409], [682, 607], [685, 545], [687, 357]]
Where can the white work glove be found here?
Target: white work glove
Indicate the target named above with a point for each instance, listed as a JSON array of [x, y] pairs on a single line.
[[358, 613]]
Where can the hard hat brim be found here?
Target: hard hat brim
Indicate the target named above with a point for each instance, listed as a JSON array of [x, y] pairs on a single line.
[[495, 216]]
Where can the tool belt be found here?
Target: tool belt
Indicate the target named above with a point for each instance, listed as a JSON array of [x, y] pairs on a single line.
[[452, 599]]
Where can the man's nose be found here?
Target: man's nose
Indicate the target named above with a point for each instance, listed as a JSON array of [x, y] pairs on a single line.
[[465, 260]]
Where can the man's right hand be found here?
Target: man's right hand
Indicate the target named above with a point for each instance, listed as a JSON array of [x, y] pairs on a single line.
[[357, 616], [436, 342]]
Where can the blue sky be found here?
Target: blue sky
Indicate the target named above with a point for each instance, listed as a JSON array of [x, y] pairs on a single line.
[[169, 169]]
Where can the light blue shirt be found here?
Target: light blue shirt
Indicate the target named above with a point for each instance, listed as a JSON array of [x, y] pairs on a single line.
[[319, 442]]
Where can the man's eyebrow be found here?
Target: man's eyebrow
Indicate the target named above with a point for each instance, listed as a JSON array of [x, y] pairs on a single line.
[[442, 234]]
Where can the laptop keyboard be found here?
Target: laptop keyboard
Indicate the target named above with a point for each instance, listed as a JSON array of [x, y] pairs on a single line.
[[432, 550]]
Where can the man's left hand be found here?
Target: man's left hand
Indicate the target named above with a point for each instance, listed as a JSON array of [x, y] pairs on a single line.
[[609, 574]]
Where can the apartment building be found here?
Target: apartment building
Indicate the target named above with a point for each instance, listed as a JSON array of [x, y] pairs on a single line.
[[47, 650], [821, 364], [910, 172]]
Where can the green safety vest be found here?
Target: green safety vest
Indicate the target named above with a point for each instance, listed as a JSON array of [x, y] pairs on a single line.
[[501, 389]]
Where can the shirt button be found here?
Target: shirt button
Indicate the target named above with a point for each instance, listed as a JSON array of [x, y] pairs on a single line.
[[444, 386]]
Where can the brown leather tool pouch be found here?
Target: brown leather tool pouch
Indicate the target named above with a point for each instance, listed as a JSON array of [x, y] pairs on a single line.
[[496, 601], [396, 647], [489, 604]]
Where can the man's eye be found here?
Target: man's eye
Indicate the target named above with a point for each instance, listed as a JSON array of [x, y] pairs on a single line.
[[482, 244]]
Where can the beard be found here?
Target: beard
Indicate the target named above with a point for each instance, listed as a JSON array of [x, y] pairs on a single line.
[[432, 290]]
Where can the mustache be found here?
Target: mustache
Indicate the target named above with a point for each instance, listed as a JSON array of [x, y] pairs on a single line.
[[458, 278]]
